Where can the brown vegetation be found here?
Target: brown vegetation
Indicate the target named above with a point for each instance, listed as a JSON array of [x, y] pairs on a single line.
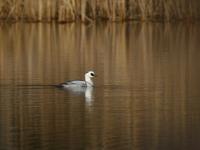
[[88, 10]]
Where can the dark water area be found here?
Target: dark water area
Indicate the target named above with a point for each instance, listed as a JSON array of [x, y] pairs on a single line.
[[146, 95]]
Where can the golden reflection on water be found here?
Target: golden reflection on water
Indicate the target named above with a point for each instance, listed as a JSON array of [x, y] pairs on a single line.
[[146, 94]]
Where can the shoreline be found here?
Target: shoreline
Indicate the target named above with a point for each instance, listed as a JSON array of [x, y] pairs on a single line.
[[63, 11]]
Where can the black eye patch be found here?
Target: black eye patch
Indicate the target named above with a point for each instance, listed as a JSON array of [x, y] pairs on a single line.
[[92, 74]]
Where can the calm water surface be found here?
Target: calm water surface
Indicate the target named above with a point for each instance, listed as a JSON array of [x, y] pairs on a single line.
[[146, 96]]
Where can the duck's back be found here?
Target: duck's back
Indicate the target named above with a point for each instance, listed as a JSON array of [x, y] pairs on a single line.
[[73, 84]]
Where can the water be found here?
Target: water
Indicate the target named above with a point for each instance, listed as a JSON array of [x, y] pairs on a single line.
[[146, 95]]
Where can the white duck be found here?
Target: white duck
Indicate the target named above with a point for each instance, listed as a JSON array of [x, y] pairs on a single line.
[[78, 83]]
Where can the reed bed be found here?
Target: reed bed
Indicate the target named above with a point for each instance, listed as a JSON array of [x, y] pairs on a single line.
[[89, 10]]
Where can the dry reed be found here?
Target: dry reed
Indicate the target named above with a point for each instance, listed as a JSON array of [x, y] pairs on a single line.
[[88, 10]]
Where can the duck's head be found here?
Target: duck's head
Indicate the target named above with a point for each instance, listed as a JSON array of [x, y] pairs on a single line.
[[90, 74], [88, 78]]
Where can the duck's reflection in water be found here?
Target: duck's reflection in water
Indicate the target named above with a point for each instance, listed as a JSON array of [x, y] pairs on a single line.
[[89, 97], [87, 92]]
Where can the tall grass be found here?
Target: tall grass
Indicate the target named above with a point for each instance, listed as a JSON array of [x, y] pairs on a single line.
[[88, 10]]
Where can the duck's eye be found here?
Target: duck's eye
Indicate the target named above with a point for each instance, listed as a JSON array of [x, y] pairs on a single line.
[[92, 74]]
